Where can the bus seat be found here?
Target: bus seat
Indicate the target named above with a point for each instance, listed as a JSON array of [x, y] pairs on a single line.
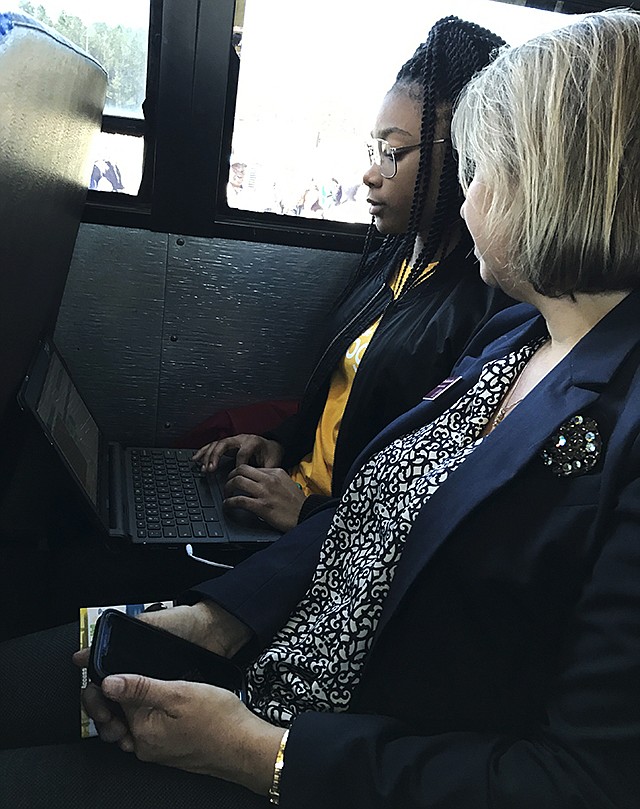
[[52, 96]]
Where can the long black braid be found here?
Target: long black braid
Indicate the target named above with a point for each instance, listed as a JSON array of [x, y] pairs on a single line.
[[454, 51]]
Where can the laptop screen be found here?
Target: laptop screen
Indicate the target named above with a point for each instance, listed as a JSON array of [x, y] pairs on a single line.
[[70, 425]]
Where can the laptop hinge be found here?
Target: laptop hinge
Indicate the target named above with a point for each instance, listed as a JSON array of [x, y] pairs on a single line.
[[116, 504]]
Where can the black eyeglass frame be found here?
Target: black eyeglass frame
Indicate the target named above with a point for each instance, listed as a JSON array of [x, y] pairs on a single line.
[[394, 151]]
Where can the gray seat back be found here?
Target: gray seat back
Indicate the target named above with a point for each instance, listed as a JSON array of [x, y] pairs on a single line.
[[51, 100]]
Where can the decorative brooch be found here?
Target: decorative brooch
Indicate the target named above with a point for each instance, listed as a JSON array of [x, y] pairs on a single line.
[[574, 449]]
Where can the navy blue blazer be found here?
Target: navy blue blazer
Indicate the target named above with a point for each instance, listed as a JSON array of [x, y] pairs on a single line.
[[505, 670]]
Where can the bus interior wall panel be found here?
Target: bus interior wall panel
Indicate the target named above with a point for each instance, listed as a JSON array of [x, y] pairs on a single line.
[[164, 330], [109, 329], [243, 322]]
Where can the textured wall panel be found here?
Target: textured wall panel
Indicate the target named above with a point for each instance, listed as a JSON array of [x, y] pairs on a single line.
[[110, 326], [160, 331], [242, 323]]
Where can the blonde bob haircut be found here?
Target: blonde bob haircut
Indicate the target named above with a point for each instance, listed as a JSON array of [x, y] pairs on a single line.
[[552, 127]]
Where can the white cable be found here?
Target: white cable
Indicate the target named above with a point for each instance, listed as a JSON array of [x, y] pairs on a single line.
[[189, 550]]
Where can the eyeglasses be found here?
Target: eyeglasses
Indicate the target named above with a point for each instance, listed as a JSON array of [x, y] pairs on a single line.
[[384, 156]]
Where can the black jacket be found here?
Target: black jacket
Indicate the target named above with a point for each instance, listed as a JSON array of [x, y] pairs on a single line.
[[419, 339]]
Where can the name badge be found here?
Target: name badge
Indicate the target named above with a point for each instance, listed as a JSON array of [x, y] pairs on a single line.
[[443, 387]]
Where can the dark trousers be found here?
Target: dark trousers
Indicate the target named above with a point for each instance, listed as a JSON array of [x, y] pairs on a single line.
[[45, 765]]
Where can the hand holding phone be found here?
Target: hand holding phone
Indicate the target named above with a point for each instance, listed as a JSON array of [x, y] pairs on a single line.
[[126, 645], [189, 725]]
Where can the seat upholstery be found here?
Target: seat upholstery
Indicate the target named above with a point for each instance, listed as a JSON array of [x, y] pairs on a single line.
[[51, 100]]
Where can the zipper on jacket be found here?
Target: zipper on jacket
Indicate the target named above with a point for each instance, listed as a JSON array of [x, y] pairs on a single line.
[[369, 304]]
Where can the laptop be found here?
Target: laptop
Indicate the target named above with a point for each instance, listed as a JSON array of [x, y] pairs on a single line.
[[148, 495]]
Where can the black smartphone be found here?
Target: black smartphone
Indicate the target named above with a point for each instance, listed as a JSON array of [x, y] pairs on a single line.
[[122, 644]]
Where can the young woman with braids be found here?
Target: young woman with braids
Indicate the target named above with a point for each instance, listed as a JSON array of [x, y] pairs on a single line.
[[412, 306]]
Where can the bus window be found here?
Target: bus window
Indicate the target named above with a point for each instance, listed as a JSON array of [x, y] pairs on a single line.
[[116, 33], [312, 76]]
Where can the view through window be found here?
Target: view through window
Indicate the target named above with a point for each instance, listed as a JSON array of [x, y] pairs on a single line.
[[115, 33], [312, 76]]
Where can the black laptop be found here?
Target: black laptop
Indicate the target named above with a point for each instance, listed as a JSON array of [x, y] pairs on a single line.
[[154, 496]]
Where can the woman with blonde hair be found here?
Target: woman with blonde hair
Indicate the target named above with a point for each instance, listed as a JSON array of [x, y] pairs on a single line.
[[470, 636]]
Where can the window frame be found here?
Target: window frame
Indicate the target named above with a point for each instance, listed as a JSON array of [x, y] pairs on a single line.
[[188, 125]]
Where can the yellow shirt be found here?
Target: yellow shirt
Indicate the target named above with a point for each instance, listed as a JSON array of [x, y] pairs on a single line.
[[315, 470]]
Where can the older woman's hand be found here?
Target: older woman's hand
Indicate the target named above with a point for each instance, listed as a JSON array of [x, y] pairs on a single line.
[[195, 727], [204, 623], [110, 721]]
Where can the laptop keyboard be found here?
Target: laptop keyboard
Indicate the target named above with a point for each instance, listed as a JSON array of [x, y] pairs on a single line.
[[172, 500]]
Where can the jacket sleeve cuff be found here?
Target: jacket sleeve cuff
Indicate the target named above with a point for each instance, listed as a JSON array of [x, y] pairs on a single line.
[[315, 503]]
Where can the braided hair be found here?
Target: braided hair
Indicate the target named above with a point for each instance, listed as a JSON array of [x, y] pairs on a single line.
[[454, 51]]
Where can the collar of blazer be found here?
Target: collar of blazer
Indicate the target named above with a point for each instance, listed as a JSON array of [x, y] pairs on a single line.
[[568, 389]]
